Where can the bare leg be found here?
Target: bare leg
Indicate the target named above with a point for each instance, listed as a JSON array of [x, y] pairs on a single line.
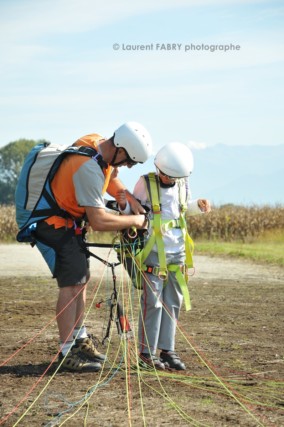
[[80, 308]]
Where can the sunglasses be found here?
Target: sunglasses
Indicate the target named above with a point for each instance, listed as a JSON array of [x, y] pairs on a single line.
[[129, 161]]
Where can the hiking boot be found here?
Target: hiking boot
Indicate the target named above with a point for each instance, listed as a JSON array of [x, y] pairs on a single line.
[[95, 340], [172, 360], [88, 349], [76, 362], [150, 361]]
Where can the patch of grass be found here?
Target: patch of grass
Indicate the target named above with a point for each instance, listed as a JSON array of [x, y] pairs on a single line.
[[207, 401], [268, 248]]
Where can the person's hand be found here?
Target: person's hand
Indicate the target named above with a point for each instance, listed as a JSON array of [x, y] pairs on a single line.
[[143, 222], [120, 197], [136, 207], [204, 205]]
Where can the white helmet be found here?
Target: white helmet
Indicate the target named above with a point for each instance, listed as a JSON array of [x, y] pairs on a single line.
[[135, 139], [175, 160]]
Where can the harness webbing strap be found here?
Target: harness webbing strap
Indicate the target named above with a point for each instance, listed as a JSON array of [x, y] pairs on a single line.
[[168, 224], [189, 247], [152, 181], [160, 226], [182, 187], [157, 236], [182, 283], [180, 273]]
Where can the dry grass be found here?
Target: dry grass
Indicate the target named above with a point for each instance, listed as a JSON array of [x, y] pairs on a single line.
[[226, 223], [237, 223], [8, 225]]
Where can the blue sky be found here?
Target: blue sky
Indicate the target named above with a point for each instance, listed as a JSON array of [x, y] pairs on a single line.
[[60, 77]]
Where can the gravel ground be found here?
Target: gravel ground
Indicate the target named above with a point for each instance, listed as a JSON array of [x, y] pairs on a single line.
[[22, 260], [235, 329]]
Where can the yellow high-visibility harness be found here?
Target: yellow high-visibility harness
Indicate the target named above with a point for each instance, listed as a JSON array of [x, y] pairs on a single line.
[[159, 226]]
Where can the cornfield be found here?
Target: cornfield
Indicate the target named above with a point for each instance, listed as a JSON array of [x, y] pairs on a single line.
[[236, 223], [226, 223], [8, 225]]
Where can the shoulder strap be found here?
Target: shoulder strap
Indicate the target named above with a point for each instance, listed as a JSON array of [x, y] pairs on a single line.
[[188, 242], [39, 201], [153, 188], [93, 153], [152, 185], [183, 194]]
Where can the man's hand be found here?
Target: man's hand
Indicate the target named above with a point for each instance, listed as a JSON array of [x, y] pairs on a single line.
[[115, 186], [136, 207], [100, 220], [121, 199]]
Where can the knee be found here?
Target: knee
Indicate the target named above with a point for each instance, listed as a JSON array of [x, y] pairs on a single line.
[[72, 291]]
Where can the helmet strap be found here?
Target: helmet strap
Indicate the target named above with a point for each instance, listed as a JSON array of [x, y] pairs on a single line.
[[162, 185], [128, 159], [112, 163]]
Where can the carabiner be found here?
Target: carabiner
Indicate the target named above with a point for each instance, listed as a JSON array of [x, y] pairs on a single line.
[[132, 233], [163, 275]]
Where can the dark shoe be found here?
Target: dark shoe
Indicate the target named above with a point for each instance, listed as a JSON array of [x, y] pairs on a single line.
[[88, 349], [151, 361], [95, 340], [172, 360], [76, 362]]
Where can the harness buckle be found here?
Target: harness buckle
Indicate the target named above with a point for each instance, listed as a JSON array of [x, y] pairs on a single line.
[[156, 208], [156, 271]]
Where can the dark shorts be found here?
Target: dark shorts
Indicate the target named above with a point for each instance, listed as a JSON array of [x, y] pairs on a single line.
[[63, 253]]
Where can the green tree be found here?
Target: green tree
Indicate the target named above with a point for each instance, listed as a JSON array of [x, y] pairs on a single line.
[[12, 157]]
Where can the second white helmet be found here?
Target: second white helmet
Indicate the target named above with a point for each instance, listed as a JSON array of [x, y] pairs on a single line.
[[135, 139], [175, 159]]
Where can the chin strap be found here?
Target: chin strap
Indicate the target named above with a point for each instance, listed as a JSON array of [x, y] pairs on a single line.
[[113, 163]]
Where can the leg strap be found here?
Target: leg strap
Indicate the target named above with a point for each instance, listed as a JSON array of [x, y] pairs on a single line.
[[181, 279]]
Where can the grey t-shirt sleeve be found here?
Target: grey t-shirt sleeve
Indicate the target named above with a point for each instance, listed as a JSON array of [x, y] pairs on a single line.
[[88, 182]]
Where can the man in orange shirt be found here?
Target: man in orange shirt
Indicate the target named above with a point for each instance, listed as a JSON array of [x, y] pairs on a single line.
[[78, 187]]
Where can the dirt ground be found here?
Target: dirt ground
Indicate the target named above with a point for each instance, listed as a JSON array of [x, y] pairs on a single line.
[[232, 342]]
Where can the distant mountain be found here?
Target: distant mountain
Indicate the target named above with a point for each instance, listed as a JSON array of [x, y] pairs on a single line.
[[239, 174], [230, 174]]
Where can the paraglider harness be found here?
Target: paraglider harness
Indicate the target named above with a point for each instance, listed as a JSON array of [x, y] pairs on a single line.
[[116, 310], [131, 238], [137, 249]]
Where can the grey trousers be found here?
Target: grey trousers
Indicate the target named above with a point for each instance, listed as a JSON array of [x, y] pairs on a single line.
[[160, 306]]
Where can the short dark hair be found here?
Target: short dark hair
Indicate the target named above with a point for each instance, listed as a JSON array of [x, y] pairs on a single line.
[[112, 139]]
